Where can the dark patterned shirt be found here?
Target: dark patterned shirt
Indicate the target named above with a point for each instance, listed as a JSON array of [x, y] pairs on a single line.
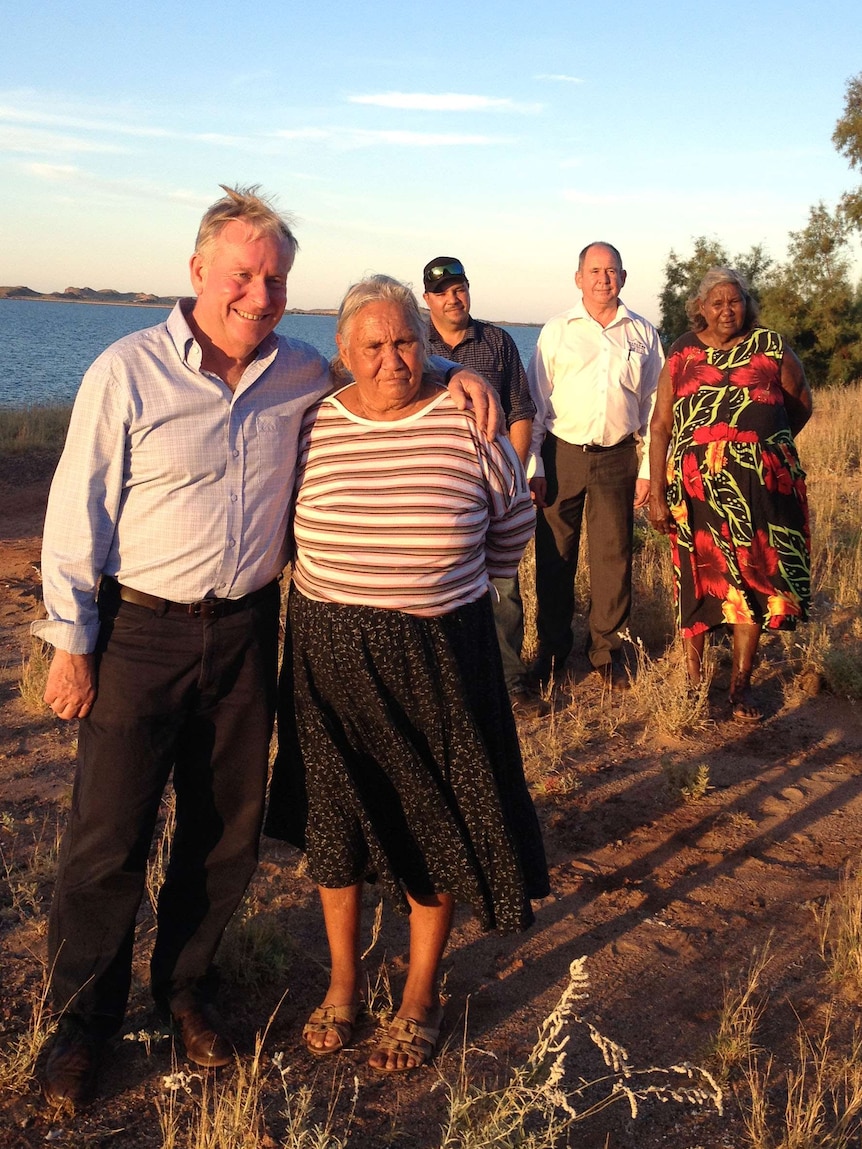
[[492, 352]]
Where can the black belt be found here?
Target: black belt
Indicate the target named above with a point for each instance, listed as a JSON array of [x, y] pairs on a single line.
[[629, 441], [206, 608]]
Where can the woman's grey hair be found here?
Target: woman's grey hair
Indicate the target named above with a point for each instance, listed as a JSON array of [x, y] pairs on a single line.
[[713, 278], [378, 289], [246, 205]]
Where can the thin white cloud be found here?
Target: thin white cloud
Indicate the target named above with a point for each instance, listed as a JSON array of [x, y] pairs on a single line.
[[360, 138], [78, 123], [32, 141], [367, 137], [52, 173], [302, 134], [560, 78], [443, 102], [72, 176]]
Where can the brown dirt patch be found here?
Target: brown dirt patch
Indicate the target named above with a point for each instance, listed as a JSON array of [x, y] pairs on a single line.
[[665, 899]]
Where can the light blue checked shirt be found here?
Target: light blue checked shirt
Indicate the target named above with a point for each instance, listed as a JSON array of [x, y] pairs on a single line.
[[169, 481]]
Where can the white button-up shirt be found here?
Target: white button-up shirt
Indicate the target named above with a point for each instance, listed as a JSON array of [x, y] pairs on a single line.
[[169, 481], [591, 384]]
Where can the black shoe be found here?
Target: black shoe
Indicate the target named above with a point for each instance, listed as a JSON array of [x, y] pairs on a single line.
[[200, 1029], [547, 669], [527, 704], [72, 1066], [614, 676]]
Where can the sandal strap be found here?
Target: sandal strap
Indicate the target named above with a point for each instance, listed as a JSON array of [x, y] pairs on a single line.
[[404, 1035], [337, 1019]]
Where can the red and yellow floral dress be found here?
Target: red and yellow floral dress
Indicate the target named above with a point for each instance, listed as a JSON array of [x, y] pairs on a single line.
[[741, 545]]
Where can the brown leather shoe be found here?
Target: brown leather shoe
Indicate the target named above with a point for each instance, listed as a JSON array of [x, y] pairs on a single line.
[[614, 676], [72, 1066], [199, 1027], [526, 704]]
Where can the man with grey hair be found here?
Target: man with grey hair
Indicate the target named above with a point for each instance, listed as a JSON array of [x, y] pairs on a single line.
[[593, 379], [166, 533]]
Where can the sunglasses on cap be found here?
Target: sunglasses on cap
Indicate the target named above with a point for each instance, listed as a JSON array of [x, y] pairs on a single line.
[[441, 270]]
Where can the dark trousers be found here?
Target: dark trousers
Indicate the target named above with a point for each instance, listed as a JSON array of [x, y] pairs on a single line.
[[602, 483], [509, 623], [196, 696]]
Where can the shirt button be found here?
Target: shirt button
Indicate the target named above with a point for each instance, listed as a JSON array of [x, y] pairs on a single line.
[[233, 498], [231, 542], [236, 454]]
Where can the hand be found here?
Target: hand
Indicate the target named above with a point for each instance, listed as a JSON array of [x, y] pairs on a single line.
[[659, 514], [71, 687], [642, 488], [539, 490], [470, 390]]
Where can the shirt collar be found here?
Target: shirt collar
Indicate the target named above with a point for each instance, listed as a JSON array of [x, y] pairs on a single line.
[[579, 311], [189, 349], [471, 332]]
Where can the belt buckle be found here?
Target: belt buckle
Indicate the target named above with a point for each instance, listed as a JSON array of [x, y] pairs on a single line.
[[206, 608]]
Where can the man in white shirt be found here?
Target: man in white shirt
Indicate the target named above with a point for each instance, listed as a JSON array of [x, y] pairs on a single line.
[[593, 378], [165, 535]]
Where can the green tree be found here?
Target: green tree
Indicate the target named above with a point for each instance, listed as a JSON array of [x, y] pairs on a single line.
[[847, 139], [683, 276], [812, 301]]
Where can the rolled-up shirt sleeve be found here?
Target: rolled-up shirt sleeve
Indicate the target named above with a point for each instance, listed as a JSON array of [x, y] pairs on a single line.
[[539, 373]]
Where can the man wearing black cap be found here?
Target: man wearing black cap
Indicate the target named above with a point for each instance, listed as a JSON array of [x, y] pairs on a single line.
[[491, 351]]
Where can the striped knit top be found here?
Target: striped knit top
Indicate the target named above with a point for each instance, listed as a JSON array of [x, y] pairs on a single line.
[[413, 515]]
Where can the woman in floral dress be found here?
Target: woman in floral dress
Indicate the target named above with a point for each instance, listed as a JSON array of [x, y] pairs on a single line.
[[730, 399]]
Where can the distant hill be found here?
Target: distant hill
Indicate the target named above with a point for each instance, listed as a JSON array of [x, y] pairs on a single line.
[[89, 295], [118, 298]]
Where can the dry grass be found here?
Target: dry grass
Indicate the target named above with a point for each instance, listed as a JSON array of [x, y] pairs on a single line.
[[160, 854], [839, 925], [234, 1110], [33, 428], [26, 869], [822, 1098], [742, 1007], [34, 676], [19, 1054]]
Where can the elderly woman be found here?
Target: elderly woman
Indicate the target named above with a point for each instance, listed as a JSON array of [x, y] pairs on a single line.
[[412, 770], [730, 399]]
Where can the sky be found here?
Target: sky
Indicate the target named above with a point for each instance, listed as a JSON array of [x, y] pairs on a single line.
[[506, 134]]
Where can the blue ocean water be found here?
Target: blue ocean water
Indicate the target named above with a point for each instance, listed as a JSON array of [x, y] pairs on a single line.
[[47, 346]]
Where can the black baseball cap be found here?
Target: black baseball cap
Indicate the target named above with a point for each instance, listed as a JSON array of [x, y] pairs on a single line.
[[440, 272]]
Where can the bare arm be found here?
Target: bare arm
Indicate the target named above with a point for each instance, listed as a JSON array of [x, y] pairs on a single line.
[[661, 426], [797, 393], [520, 434], [71, 687]]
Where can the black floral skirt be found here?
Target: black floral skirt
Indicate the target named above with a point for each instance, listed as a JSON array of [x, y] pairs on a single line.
[[399, 760]]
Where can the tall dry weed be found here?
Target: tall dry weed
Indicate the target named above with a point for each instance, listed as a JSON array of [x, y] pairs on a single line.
[[743, 1006], [538, 1105]]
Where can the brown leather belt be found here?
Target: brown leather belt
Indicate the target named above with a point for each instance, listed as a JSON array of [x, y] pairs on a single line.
[[206, 608]]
